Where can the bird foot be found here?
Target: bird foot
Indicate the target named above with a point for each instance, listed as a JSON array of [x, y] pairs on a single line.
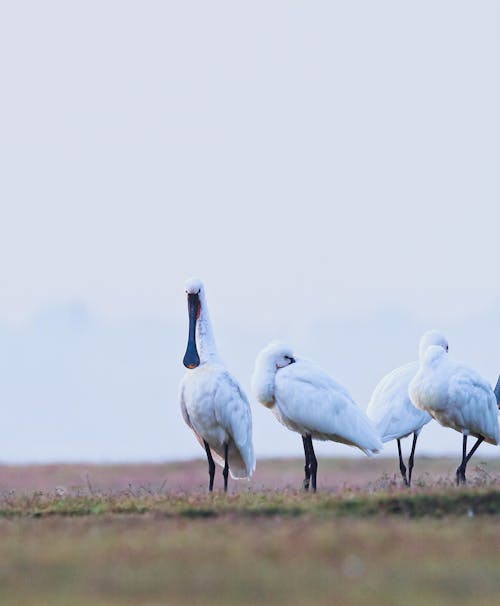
[[306, 484]]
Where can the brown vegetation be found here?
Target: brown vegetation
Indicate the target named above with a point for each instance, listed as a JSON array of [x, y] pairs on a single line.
[[150, 535]]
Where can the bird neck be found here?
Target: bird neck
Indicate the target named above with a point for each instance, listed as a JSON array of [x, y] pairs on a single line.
[[205, 339], [263, 381]]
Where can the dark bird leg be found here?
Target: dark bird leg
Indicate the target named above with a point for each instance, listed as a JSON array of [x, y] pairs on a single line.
[[211, 466], [402, 467], [313, 462], [307, 469], [461, 469], [412, 456], [466, 458], [225, 472]]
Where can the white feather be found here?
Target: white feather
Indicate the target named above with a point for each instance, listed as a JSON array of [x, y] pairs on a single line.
[[390, 407], [456, 396], [213, 403], [307, 400]]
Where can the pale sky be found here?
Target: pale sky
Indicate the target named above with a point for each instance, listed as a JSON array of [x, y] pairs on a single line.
[[330, 169]]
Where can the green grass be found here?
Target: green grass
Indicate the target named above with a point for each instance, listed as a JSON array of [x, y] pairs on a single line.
[[415, 504], [108, 541]]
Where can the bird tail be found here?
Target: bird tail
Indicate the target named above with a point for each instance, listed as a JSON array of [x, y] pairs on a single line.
[[371, 453], [369, 442], [241, 463]]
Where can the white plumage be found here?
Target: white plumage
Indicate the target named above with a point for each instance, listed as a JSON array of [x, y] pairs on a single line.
[[307, 400], [457, 397], [390, 407], [212, 402]]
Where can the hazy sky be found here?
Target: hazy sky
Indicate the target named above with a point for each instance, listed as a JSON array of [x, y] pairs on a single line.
[[330, 169]]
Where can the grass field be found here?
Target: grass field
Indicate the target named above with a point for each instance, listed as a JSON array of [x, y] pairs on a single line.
[[150, 535]]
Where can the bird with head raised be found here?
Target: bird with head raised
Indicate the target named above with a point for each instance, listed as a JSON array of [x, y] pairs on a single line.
[[457, 397], [390, 407], [307, 400], [212, 402]]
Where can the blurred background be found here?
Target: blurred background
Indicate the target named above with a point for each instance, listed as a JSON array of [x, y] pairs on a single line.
[[330, 170]]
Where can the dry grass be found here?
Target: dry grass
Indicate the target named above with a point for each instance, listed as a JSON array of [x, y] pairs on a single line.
[[334, 475], [135, 535]]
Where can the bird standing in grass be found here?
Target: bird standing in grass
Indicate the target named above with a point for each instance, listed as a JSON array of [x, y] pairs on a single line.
[[457, 397], [212, 402], [305, 399], [390, 407]]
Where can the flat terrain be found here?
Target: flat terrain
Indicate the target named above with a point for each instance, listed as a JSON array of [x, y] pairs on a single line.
[[150, 535]]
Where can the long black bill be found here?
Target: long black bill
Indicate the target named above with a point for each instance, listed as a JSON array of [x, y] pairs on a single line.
[[191, 357], [497, 392]]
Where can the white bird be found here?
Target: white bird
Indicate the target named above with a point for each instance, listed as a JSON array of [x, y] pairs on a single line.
[[457, 397], [305, 399], [212, 402], [390, 407]]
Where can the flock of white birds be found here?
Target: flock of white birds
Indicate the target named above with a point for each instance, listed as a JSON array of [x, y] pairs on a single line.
[[307, 400]]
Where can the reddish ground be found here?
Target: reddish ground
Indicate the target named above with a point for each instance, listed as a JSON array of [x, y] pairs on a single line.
[[191, 476]]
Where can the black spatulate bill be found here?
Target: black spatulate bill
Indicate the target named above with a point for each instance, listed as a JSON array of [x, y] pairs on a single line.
[[191, 357]]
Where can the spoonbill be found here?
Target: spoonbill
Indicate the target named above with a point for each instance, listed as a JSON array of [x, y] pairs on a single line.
[[305, 399], [457, 397], [390, 407], [212, 402]]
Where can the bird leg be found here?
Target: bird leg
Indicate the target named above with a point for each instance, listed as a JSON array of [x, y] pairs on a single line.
[[225, 471], [474, 448], [466, 458], [402, 467], [461, 469], [412, 456], [211, 466], [307, 469], [313, 461]]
